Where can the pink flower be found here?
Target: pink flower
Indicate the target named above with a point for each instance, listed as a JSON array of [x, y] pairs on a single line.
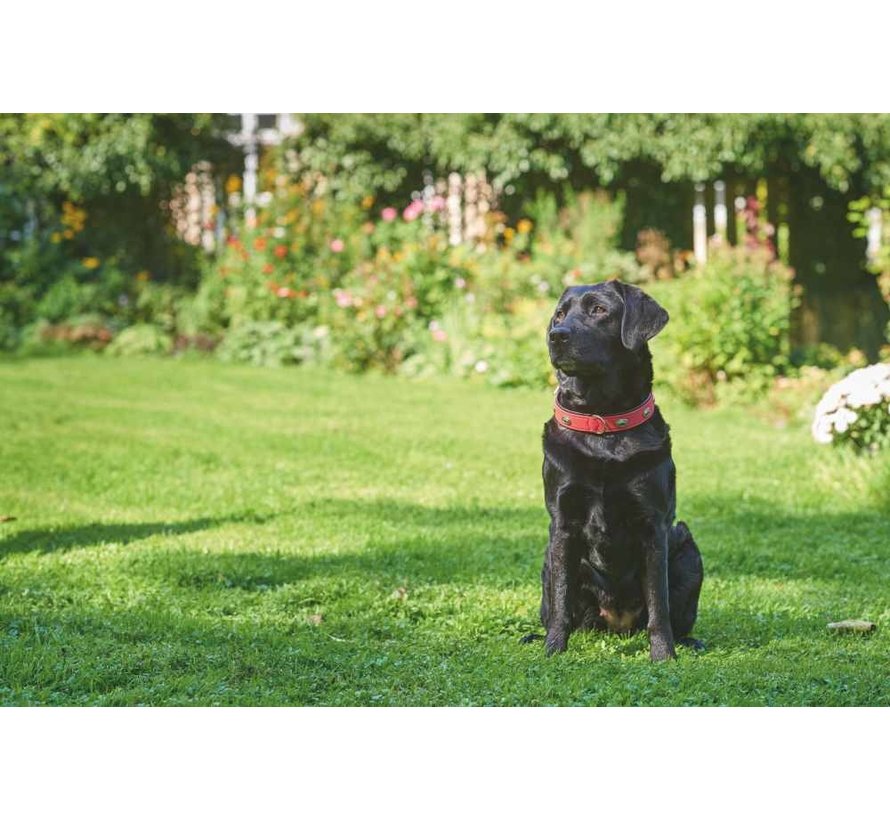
[[380, 311], [440, 335], [437, 203], [285, 293], [410, 303], [414, 210], [337, 245], [460, 282], [388, 214], [343, 298]]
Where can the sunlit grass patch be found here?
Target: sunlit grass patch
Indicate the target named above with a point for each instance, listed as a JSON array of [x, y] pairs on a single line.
[[189, 533]]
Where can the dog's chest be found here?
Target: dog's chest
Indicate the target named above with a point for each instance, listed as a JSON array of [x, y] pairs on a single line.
[[607, 523]]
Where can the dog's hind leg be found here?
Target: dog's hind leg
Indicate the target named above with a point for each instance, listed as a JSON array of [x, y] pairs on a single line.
[[685, 574]]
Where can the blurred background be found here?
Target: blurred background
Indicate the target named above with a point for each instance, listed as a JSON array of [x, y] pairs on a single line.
[[430, 244]]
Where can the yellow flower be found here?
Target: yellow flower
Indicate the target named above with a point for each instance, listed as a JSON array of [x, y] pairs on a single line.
[[318, 207], [509, 233], [90, 262], [55, 237], [69, 234], [367, 202], [233, 184], [524, 225], [143, 276], [73, 218]]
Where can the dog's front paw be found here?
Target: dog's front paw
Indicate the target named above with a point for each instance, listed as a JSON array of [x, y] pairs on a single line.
[[556, 642], [661, 649]]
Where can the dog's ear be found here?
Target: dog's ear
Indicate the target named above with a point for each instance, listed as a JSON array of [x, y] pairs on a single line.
[[643, 316]]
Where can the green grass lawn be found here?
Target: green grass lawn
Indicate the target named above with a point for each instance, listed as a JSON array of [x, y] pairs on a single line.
[[193, 533]]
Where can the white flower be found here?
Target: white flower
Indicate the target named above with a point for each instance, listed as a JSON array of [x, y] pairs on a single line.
[[864, 395], [822, 429], [863, 390], [843, 419], [481, 366]]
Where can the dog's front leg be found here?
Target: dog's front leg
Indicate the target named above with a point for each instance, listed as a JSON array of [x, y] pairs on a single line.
[[655, 591], [560, 573]]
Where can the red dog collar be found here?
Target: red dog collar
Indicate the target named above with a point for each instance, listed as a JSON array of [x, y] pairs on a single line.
[[586, 423]]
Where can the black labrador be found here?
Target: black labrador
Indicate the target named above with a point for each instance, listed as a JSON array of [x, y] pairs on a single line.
[[615, 561]]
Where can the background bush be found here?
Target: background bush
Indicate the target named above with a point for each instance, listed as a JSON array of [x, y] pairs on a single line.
[[730, 326], [346, 263]]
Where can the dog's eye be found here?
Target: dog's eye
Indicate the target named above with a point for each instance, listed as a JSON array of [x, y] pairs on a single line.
[[560, 315], [598, 310]]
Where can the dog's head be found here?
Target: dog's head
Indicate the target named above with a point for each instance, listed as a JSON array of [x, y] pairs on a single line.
[[594, 326]]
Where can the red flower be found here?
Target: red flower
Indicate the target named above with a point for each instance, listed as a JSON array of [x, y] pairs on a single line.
[[281, 251], [259, 243], [268, 268]]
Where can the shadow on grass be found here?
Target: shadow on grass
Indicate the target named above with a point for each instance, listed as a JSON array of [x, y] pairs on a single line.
[[463, 544], [62, 539], [409, 543]]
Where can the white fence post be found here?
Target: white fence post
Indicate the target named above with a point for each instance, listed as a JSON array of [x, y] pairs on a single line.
[[700, 226], [251, 165], [720, 215]]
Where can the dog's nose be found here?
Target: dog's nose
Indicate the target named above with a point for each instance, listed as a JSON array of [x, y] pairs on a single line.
[[559, 335]]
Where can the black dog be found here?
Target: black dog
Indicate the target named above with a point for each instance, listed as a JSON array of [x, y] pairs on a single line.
[[615, 560]]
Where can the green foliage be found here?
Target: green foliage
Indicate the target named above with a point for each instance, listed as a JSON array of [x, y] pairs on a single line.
[[87, 156], [15, 313], [97, 187], [272, 344], [505, 349], [387, 153], [140, 340], [729, 331], [576, 242], [237, 536], [870, 432], [879, 265]]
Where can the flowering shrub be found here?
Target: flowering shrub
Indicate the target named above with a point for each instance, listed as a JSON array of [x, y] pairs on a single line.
[[372, 315], [856, 410], [366, 284], [502, 348]]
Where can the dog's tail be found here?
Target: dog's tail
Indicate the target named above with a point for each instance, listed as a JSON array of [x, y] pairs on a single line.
[[681, 538], [685, 574]]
